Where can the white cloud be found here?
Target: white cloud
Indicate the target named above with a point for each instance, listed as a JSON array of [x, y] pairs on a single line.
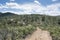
[[54, 0], [32, 8], [12, 0], [36, 1]]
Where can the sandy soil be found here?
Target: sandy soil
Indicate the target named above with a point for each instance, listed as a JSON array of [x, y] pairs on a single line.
[[39, 35]]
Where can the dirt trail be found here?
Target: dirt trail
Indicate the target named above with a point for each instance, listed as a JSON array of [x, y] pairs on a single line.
[[39, 35]]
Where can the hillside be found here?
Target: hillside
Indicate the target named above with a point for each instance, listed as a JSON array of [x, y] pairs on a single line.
[[16, 27], [6, 14]]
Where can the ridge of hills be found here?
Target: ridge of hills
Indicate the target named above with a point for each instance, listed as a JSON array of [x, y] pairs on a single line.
[[6, 14]]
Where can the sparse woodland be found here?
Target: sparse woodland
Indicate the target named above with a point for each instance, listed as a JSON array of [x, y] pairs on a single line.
[[17, 27]]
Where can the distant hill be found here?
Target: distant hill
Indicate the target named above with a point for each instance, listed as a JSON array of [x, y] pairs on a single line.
[[6, 14], [31, 18], [0, 13]]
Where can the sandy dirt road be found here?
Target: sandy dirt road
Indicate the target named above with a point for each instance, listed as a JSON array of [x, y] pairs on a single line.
[[39, 35]]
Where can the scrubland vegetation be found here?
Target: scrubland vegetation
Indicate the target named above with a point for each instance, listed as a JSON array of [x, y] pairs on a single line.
[[17, 27]]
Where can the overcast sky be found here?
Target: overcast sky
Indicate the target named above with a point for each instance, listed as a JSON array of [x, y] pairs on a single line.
[[47, 7]]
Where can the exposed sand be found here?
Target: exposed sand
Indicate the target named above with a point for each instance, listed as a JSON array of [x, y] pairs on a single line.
[[39, 35]]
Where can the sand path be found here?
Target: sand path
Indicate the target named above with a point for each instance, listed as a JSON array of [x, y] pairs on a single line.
[[39, 35]]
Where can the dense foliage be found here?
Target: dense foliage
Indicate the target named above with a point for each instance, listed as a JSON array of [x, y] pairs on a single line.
[[16, 27]]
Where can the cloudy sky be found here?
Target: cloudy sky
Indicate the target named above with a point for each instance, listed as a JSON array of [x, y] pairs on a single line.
[[46, 7]]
